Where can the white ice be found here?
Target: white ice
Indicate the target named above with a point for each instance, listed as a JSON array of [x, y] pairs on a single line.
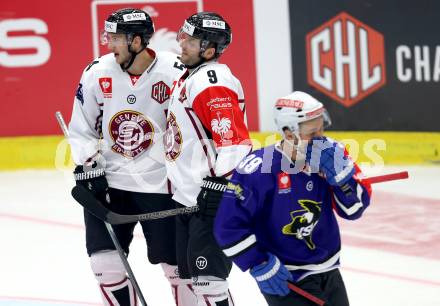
[[43, 260]]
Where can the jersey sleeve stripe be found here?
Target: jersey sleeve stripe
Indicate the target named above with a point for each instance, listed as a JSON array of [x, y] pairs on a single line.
[[199, 135], [240, 246], [355, 207], [343, 173], [316, 267]]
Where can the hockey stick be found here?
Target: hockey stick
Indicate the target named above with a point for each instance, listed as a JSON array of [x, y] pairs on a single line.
[[110, 230], [386, 177], [305, 294], [89, 202], [86, 199], [372, 180]]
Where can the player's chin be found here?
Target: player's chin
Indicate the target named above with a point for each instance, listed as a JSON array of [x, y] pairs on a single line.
[[185, 59], [119, 59]]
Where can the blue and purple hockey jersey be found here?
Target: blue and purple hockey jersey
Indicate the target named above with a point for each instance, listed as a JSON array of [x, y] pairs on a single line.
[[267, 207]]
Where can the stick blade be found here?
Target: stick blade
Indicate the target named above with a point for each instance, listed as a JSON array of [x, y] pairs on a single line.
[[87, 200]]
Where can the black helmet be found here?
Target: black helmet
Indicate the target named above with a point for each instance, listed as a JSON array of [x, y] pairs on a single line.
[[130, 21], [209, 27]]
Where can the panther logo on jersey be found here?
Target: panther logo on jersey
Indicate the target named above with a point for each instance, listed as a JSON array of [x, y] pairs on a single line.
[[131, 132], [304, 221], [172, 139]]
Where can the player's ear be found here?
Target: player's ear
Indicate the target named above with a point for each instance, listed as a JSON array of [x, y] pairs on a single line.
[[209, 53], [137, 41]]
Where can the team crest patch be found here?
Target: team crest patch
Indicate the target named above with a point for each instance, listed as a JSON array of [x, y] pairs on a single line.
[[131, 132], [106, 87], [172, 139], [284, 183]]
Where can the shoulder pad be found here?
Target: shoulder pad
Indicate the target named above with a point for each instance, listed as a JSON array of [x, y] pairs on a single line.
[[212, 75], [95, 61], [250, 164], [172, 59]]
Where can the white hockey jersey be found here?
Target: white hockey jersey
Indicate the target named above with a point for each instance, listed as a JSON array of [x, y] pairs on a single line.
[[124, 117], [206, 129]]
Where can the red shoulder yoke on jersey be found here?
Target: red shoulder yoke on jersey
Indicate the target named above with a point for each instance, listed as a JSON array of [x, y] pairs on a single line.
[[218, 109]]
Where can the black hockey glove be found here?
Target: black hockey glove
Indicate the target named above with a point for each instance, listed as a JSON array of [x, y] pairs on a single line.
[[211, 194], [93, 178]]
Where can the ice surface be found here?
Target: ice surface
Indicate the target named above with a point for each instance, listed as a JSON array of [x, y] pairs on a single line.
[[389, 257]]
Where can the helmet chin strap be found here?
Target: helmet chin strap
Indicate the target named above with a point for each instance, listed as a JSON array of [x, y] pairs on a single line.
[[133, 55], [203, 45]]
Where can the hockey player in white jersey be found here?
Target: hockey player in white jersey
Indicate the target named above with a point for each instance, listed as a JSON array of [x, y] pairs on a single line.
[[206, 138], [116, 136]]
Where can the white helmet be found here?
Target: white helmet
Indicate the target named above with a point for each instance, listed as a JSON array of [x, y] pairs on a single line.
[[296, 108]]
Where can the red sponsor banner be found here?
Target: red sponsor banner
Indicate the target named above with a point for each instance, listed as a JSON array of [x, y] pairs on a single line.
[[45, 46]]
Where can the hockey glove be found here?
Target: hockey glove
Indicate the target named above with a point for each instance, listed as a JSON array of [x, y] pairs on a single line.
[[93, 178], [272, 277], [211, 194], [328, 156]]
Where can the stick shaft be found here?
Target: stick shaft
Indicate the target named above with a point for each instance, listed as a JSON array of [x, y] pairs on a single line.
[[387, 177], [85, 198], [62, 124], [306, 294], [110, 230], [124, 260]]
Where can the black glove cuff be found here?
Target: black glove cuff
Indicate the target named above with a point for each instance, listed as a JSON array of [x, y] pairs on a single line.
[[83, 173], [215, 183]]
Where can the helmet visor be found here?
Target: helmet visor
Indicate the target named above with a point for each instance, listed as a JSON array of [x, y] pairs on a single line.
[[315, 126], [115, 39], [183, 38]]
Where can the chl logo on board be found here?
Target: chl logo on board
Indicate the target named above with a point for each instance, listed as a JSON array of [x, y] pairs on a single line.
[[345, 59]]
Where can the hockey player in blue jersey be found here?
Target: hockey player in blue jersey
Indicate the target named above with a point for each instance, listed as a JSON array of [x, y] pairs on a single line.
[[277, 217]]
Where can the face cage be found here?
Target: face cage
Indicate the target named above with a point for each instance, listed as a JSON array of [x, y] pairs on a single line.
[[191, 41], [105, 38], [118, 39]]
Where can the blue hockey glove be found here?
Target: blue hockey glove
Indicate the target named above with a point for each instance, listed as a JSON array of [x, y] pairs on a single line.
[[272, 276], [326, 155]]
